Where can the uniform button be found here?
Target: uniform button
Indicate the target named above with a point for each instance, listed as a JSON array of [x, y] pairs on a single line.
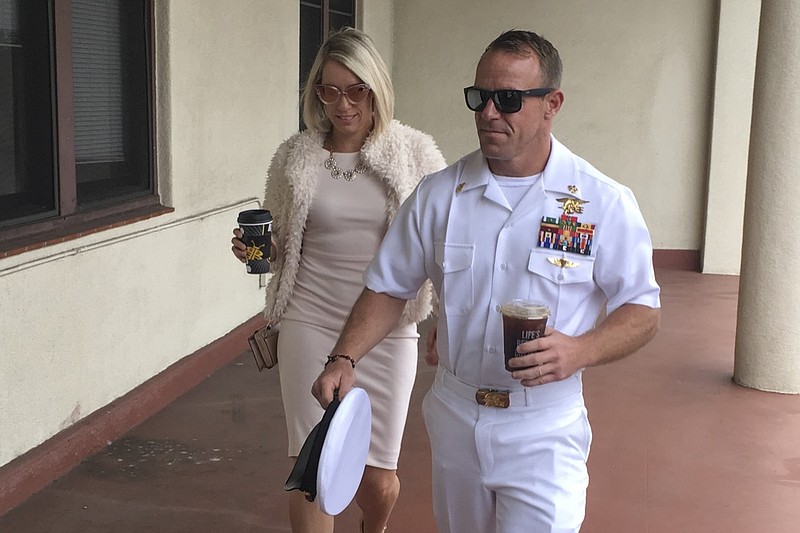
[[491, 349], [503, 266], [497, 308], [560, 277]]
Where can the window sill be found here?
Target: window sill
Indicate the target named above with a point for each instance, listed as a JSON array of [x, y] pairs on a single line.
[[13, 247]]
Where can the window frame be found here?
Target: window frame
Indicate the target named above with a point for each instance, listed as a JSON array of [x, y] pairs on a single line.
[[70, 221]]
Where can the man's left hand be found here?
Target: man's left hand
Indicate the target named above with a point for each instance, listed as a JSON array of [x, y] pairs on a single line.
[[555, 357]]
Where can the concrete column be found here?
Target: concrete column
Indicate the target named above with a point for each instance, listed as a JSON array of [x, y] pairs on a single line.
[[768, 327]]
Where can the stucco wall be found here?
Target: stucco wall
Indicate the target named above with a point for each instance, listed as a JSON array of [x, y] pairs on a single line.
[[637, 78], [376, 17], [86, 321]]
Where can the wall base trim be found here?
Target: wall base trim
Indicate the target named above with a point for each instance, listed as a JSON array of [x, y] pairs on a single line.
[[29, 473], [677, 260]]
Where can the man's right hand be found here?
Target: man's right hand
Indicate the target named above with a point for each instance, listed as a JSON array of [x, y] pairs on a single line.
[[338, 375], [239, 249]]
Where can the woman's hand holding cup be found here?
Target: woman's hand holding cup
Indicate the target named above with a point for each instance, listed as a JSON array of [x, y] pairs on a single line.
[[239, 249]]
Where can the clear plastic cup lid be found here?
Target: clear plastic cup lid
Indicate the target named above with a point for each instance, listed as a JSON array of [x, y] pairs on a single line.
[[522, 308]]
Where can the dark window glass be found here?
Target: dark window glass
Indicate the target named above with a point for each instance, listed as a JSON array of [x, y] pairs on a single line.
[[340, 20], [310, 37], [344, 6], [75, 117], [27, 188], [341, 13], [110, 80]]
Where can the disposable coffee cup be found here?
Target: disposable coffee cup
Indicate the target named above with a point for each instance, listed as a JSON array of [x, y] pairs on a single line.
[[256, 226], [523, 321]]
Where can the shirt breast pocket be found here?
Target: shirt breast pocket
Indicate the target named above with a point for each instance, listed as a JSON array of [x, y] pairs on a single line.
[[458, 289], [557, 277]]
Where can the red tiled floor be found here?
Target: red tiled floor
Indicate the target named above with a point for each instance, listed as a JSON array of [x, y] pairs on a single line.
[[678, 448]]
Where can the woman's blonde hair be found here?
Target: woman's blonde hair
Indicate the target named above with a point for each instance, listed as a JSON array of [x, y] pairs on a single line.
[[355, 50]]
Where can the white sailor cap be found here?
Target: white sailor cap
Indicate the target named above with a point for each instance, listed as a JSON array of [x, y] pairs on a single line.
[[332, 460]]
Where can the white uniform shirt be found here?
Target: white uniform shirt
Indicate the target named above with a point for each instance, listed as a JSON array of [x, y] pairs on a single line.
[[458, 230]]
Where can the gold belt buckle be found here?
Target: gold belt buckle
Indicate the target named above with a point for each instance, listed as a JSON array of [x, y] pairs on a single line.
[[492, 398]]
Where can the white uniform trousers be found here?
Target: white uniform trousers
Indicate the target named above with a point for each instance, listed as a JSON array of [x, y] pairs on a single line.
[[516, 470]]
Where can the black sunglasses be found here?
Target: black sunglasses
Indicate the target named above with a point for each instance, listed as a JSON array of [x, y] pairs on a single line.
[[505, 100]]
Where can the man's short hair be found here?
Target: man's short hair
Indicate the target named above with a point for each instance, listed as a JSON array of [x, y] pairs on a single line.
[[527, 43]]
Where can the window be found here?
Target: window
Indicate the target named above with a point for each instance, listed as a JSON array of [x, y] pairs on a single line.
[[76, 127], [318, 18]]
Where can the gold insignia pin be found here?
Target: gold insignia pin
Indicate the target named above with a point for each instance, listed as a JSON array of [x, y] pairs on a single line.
[[562, 262], [460, 186], [570, 206], [573, 189]]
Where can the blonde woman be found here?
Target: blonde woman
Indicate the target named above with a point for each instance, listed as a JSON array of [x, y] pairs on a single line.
[[332, 190]]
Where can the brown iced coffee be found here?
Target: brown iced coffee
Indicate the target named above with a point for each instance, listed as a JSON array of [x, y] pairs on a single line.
[[523, 321]]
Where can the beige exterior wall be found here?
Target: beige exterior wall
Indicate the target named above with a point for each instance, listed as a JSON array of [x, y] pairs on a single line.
[[637, 77], [376, 17], [86, 321]]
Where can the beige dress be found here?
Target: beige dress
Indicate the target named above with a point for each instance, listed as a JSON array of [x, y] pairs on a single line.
[[345, 225]]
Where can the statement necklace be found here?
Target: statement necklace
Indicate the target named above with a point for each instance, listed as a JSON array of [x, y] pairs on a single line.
[[338, 173]]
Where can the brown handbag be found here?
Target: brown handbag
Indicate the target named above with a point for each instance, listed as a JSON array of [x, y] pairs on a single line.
[[264, 345]]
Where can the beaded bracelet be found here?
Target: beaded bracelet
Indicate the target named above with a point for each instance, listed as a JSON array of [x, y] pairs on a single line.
[[332, 358]]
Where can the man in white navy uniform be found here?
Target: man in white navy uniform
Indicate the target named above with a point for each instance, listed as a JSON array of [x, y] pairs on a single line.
[[521, 217]]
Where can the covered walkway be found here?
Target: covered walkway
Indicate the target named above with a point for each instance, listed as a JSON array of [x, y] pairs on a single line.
[[678, 448]]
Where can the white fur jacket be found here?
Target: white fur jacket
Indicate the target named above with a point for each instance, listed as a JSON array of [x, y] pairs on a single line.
[[400, 157]]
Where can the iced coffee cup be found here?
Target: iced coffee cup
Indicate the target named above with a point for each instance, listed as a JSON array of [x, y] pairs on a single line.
[[523, 321], [256, 226]]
